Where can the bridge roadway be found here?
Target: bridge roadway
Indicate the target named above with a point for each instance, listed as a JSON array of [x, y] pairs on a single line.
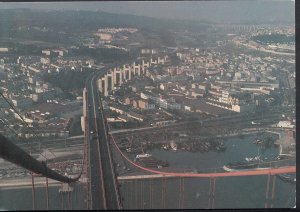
[[103, 186]]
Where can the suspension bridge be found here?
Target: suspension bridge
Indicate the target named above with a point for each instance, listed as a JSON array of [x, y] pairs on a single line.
[[102, 188]]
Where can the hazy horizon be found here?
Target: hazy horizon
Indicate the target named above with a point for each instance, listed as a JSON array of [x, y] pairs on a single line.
[[214, 11]]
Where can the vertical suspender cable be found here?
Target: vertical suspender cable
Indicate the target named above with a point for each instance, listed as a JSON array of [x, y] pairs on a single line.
[[136, 195], [182, 204], [209, 193], [68, 203], [132, 193], [267, 191], [76, 194], [47, 194], [125, 185], [62, 200], [151, 187], [213, 193], [69, 200], [162, 192], [164, 187], [180, 190], [33, 191], [142, 194], [150, 195], [273, 190]]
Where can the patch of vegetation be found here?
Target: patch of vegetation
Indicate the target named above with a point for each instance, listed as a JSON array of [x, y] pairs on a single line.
[[75, 127], [104, 55], [175, 61], [67, 80]]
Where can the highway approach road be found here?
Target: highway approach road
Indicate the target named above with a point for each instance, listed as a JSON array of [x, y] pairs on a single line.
[[103, 182]]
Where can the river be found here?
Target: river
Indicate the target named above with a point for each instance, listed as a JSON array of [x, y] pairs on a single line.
[[231, 192]]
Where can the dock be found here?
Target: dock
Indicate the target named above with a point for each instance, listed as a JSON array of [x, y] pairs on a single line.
[[148, 176]]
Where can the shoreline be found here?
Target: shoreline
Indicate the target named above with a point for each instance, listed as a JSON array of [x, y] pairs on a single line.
[[26, 182]]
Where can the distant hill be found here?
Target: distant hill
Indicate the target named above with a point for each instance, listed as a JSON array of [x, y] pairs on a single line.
[[68, 27], [78, 21]]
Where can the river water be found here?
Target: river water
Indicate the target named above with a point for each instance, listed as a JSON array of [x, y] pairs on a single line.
[[173, 193]]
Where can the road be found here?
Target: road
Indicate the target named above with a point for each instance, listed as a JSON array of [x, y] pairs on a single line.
[[238, 119], [52, 144], [258, 47], [104, 192]]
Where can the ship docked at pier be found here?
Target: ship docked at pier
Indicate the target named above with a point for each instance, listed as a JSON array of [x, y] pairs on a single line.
[[250, 164], [245, 166]]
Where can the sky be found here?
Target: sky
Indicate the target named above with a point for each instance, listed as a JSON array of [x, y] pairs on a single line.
[[215, 11]]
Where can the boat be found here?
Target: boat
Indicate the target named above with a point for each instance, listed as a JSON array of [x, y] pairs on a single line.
[[257, 141], [242, 166], [283, 156], [248, 159], [165, 147], [252, 159], [291, 178], [143, 156], [221, 148], [173, 146]]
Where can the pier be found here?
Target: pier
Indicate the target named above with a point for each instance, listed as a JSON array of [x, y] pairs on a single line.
[[148, 176]]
